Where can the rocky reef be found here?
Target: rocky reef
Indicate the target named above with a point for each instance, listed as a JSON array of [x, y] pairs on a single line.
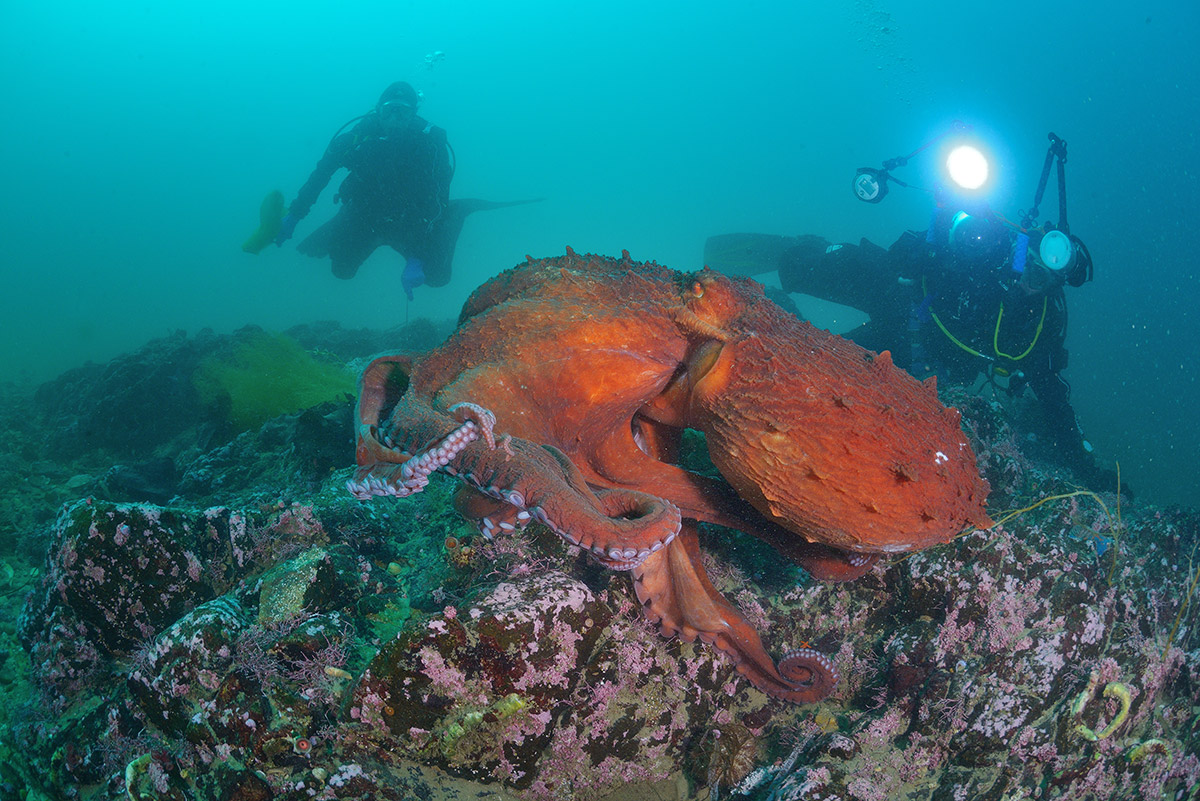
[[205, 613]]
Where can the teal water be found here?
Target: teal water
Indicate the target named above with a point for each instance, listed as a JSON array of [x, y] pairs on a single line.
[[140, 138]]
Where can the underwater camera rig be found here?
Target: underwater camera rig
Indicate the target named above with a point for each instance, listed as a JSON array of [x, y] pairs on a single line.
[[1059, 249]]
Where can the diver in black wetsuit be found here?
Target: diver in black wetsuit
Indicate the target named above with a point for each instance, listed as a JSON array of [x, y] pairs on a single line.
[[969, 295], [397, 194]]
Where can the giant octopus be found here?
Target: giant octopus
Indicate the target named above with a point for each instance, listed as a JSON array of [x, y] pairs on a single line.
[[562, 398]]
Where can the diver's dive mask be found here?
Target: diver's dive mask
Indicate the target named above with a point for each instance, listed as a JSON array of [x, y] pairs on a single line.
[[978, 241], [395, 110]]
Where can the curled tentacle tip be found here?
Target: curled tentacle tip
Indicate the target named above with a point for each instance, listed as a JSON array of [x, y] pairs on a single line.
[[810, 670]]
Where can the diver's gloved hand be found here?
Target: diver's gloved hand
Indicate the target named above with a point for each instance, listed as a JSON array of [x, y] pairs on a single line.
[[413, 277], [287, 227]]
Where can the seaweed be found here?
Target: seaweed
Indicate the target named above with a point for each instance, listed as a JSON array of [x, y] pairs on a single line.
[[266, 376]]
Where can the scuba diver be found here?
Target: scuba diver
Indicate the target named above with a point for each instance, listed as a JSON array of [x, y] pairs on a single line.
[[973, 293], [397, 194]]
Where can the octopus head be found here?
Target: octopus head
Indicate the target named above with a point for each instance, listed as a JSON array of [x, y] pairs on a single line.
[[833, 441]]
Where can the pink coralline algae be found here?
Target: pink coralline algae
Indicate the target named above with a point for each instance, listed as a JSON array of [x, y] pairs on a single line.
[[330, 650]]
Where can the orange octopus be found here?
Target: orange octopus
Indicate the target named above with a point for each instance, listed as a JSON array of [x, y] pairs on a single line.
[[562, 397]]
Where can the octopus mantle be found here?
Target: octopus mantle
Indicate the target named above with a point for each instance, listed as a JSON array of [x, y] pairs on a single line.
[[562, 397]]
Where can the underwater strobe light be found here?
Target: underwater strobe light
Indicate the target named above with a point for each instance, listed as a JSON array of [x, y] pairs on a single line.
[[967, 167], [870, 185], [1057, 251]]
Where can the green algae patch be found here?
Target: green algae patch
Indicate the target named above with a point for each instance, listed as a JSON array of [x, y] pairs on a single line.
[[268, 375]]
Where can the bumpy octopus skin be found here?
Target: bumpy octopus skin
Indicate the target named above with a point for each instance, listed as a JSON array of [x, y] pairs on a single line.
[[562, 396]]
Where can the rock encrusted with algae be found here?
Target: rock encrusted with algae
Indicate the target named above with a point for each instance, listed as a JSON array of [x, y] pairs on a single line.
[[323, 649], [546, 685]]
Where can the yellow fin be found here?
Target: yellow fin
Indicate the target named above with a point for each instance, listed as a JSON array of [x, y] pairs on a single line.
[[270, 215]]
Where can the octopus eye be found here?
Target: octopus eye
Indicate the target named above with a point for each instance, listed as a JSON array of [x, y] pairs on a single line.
[[698, 289]]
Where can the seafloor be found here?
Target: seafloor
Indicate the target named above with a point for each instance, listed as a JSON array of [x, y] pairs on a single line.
[[192, 607]]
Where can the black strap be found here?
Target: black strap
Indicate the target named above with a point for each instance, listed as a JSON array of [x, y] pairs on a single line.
[[1057, 149]]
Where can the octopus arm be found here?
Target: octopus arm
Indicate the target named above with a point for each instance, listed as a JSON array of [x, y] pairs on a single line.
[[675, 593], [619, 527]]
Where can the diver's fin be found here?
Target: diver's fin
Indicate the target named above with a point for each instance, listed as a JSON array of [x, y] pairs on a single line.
[[468, 205], [270, 216], [745, 255], [437, 268]]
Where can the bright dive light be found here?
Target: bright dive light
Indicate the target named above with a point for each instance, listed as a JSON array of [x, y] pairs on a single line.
[[967, 167]]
